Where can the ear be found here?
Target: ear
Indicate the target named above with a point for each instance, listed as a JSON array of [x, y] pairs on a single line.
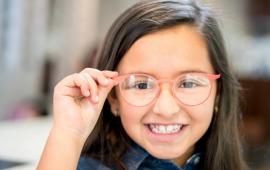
[[114, 103], [216, 104]]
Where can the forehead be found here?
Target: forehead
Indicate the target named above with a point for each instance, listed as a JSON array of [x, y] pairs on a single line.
[[167, 53]]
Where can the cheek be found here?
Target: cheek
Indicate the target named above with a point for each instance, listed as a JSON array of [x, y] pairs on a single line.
[[204, 112], [132, 120], [201, 116], [130, 114]]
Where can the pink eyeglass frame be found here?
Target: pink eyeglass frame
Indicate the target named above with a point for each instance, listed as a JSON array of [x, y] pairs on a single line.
[[211, 77]]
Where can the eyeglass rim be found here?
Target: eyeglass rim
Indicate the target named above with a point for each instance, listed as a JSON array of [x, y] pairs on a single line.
[[212, 77]]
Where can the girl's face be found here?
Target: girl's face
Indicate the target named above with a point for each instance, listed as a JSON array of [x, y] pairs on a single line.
[[165, 55]]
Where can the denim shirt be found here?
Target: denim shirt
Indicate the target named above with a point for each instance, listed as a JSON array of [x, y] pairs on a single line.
[[138, 158]]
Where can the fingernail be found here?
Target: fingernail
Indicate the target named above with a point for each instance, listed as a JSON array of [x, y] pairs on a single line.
[[106, 81], [87, 93]]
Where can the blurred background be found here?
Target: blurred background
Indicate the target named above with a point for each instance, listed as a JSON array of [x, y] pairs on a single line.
[[41, 41]]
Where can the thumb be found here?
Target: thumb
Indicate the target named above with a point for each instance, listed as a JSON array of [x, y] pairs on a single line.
[[104, 91]]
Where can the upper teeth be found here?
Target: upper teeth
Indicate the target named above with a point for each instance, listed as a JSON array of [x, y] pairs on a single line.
[[165, 128]]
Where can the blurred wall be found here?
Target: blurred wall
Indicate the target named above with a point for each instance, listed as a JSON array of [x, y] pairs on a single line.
[[109, 11], [23, 34], [249, 53], [33, 31]]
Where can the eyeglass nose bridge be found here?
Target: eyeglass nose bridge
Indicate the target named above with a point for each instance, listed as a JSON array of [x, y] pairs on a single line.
[[161, 81], [171, 88]]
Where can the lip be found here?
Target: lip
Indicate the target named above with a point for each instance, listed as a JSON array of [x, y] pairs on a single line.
[[165, 138]]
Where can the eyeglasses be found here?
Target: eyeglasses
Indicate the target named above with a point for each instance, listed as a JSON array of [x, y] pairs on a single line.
[[190, 88]]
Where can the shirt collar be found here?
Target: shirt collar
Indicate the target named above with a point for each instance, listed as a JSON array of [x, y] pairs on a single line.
[[193, 161], [136, 155]]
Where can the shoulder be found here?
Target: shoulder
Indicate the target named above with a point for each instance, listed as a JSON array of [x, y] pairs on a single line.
[[86, 163]]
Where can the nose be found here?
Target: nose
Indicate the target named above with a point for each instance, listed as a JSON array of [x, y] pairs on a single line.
[[166, 105]]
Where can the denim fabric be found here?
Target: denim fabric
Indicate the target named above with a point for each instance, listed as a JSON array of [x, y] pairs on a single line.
[[138, 158]]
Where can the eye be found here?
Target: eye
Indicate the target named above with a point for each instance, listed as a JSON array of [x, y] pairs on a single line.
[[142, 85], [138, 83], [189, 84]]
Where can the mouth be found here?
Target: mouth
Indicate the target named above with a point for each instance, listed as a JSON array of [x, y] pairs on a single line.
[[165, 129]]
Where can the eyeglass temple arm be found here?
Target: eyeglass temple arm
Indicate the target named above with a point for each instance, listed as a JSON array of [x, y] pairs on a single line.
[[214, 76]]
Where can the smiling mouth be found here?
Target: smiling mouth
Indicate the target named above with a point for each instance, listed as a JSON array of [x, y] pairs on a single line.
[[165, 129]]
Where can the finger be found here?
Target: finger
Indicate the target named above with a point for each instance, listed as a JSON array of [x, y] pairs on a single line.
[[97, 76], [74, 92], [101, 77], [72, 86], [102, 90], [110, 74], [92, 87], [62, 90], [80, 81], [103, 93]]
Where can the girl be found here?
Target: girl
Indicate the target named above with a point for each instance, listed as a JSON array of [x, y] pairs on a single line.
[[161, 97]]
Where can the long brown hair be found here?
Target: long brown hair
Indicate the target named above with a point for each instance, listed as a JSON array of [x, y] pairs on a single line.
[[221, 143]]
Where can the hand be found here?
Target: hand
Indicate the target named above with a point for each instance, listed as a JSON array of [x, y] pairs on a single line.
[[78, 100]]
